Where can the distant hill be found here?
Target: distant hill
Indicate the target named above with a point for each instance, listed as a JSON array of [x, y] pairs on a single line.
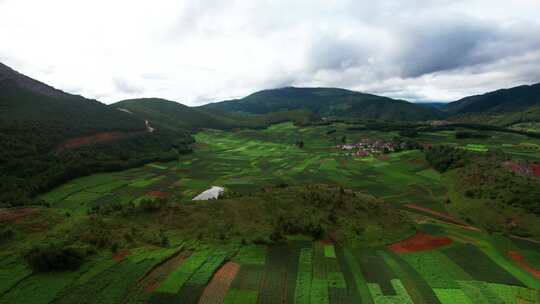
[[327, 102], [174, 115], [49, 136], [435, 105], [526, 120], [501, 101], [42, 114]]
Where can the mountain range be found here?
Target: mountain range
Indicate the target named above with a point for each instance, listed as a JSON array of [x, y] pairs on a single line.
[[49, 136], [50, 117]]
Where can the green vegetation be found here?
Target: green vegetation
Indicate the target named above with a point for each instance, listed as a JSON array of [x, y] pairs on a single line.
[[327, 102], [175, 116], [500, 101], [43, 133], [307, 223], [54, 257]]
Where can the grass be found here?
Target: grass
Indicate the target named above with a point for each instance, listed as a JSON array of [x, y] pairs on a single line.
[[436, 269], [305, 277], [401, 296], [451, 296], [329, 251], [251, 255], [476, 148], [174, 282], [235, 296], [144, 182], [479, 266]]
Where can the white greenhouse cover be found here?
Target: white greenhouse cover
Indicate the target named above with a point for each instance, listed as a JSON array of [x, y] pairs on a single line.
[[212, 193]]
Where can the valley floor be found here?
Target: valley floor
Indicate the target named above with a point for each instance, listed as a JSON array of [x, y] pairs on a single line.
[[446, 259]]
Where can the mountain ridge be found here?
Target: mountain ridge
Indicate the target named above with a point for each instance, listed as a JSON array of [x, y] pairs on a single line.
[[499, 101], [327, 102]]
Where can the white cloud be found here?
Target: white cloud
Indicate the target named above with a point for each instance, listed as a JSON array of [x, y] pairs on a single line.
[[199, 51]]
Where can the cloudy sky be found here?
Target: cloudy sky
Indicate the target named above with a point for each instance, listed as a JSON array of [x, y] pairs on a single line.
[[200, 51]]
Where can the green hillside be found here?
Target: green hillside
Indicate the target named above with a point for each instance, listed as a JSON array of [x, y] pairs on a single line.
[[44, 116], [527, 120], [174, 115], [48, 136], [328, 102], [501, 101]]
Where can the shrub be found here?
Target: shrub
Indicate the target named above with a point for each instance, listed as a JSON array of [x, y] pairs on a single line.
[[408, 133], [466, 134], [444, 158], [163, 239], [54, 257], [152, 205], [6, 234]]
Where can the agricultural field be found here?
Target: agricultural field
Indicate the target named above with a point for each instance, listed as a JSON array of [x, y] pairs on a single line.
[[249, 160], [469, 268], [305, 224]]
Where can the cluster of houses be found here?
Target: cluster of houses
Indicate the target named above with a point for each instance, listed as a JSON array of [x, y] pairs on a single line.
[[367, 147]]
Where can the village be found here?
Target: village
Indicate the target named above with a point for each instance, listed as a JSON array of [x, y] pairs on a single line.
[[367, 147]]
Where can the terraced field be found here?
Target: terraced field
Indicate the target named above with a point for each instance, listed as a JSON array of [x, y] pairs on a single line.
[[447, 261], [472, 268], [242, 163]]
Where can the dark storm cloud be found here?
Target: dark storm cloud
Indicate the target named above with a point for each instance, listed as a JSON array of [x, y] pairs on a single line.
[[455, 44], [336, 53], [447, 47]]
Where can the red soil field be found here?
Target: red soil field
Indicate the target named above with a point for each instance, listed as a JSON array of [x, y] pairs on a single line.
[[420, 242], [92, 139], [97, 138], [216, 290], [535, 169], [158, 194], [442, 215], [523, 169], [518, 258], [15, 215], [119, 256], [517, 168]]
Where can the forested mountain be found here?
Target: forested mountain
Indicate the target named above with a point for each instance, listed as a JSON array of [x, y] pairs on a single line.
[[48, 136], [526, 120], [37, 113], [501, 101], [173, 115], [328, 102]]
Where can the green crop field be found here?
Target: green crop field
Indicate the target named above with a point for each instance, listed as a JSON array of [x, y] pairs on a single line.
[[148, 242]]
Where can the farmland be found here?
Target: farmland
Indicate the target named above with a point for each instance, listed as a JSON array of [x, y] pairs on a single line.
[[305, 224]]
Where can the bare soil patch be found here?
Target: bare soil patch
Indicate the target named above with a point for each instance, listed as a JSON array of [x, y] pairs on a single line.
[[92, 139], [98, 138], [158, 194], [444, 216], [119, 256], [420, 242], [16, 214], [215, 291]]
